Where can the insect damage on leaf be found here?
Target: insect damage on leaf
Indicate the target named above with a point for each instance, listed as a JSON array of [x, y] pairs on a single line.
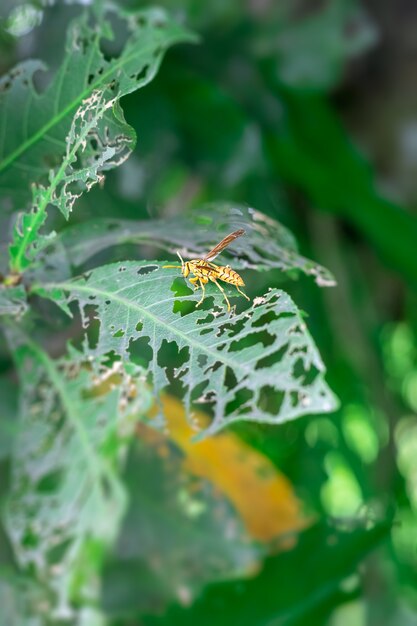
[[28, 151], [93, 145], [259, 365], [267, 245], [75, 422], [13, 300]]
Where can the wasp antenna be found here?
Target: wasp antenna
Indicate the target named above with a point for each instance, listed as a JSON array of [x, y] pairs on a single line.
[[180, 257]]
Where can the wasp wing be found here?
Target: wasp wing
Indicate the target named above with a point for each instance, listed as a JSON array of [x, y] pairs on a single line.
[[223, 244]]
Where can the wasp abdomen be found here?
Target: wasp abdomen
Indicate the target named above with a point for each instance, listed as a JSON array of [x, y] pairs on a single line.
[[229, 276]]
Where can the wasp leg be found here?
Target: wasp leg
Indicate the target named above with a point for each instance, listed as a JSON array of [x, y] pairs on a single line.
[[223, 292], [193, 281], [202, 281], [243, 294]]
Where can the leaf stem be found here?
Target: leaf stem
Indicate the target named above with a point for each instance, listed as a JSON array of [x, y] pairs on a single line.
[[16, 264]]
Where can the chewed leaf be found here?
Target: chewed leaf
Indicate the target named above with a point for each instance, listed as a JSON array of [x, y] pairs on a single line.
[[266, 245], [259, 365], [97, 137], [32, 148], [93, 145], [12, 300], [74, 425]]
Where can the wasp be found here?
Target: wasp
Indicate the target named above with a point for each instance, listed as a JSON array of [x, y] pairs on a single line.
[[204, 271]]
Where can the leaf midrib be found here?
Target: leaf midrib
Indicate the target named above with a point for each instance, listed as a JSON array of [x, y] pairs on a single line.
[[218, 356], [96, 468], [6, 162]]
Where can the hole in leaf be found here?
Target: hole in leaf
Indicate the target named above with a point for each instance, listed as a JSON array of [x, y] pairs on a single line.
[[206, 320], [142, 74], [270, 399], [230, 379], [232, 329], [141, 351], [183, 307], [208, 396], [172, 359], [252, 339], [50, 482], [265, 319], [147, 269], [57, 553], [198, 391], [242, 396], [213, 368], [307, 376], [30, 539], [272, 359], [295, 330], [119, 333], [294, 398]]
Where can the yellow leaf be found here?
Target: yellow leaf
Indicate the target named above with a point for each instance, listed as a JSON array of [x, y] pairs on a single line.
[[263, 497]]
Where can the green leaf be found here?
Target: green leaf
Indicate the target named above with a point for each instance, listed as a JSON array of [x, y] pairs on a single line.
[[20, 601], [296, 588], [93, 145], [12, 300], [33, 125], [8, 410], [266, 245], [259, 365], [312, 51], [321, 169], [66, 499], [179, 533]]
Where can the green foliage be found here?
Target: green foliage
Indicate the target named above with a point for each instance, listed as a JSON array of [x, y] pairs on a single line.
[[12, 300], [181, 540], [43, 120], [65, 496], [311, 53], [258, 365], [339, 180], [105, 521], [267, 244], [91, 148], [98, 137], [279, 594]]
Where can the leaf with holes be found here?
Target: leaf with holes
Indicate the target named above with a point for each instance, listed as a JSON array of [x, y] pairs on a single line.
[[66, 496], [180, 531], [107, 144], [41, 120], [260, 364], [267, 243], [12, 300]]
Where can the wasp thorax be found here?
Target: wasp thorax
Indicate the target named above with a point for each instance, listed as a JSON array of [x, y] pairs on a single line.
[[203, 271]]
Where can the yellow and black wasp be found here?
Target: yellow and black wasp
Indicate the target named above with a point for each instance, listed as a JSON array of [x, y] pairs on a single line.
[[204, 271]]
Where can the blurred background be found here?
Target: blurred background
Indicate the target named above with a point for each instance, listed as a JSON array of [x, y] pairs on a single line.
[[305, 110]]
